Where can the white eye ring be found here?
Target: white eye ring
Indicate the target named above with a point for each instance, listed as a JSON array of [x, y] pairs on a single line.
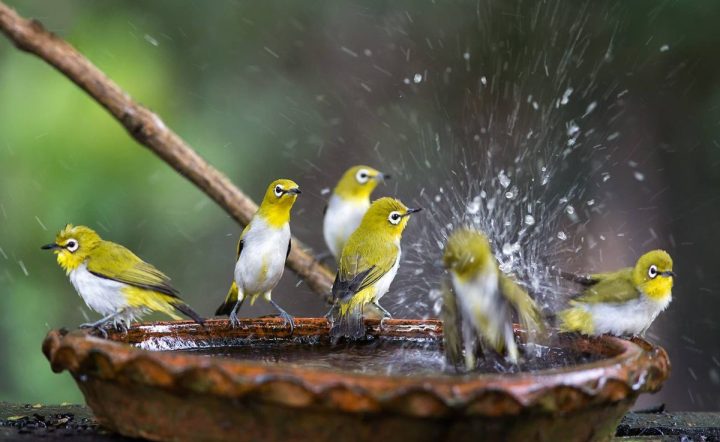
[[72, 245], [279, 191], [394, 217], [362, 176], [652, 271]]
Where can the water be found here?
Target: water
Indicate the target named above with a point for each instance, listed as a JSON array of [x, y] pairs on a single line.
[[385, 357]]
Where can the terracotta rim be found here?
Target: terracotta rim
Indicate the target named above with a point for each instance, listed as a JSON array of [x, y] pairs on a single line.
[[631, 368]]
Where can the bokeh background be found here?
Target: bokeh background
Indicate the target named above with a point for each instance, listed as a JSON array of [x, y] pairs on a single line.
[[604, 116]]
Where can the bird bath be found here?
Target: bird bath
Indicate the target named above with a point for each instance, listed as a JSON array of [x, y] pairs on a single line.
[[179, 381]]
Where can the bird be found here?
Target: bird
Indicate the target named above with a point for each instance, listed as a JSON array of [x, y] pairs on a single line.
[[113, 281], [263, 247], [367, 266], [347, 205], [479, 300], [621, 303]]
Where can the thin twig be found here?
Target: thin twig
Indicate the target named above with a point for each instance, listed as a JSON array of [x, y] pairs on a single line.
[[149, 130]]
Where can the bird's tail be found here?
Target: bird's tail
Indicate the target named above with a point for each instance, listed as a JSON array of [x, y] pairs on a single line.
[[452, 338], [189, 312], [347, 320], [230, 300]]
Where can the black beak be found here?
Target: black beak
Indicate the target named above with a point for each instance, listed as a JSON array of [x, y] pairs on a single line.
[[294, 190], [668, 273], [382, 176], [52, 246], [411, 211]]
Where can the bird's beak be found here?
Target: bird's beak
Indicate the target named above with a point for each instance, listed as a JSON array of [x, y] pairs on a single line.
[[382, 176], [668, 273], [411, 211], [294, 191], [51, 246]]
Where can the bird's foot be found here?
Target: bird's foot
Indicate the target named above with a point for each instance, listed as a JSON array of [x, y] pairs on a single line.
[[96, 327], [234, 320], [289, 320]]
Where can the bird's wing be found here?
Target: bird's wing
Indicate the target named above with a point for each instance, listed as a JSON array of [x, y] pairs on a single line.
[[618, 289], [241, 241], [115, 262], [594, 278], [528, 312], [356, 273], [452, 337], [289, 248]]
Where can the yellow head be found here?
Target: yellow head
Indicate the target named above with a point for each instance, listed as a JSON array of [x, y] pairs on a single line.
[[358, 182], [73, 245], [467, 252], [279, 199], [386, 216], [653, 274]]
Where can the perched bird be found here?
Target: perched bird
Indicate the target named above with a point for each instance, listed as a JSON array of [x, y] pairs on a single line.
[[624, 302], [262, 250], [113, 281], [347, 205], [479, 300], [367, 267]]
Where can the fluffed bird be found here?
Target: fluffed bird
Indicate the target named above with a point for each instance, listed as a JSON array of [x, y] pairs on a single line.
[[624, 302], [113, 281], [262, 250], [347, 205], [479, 300], [367, 267]]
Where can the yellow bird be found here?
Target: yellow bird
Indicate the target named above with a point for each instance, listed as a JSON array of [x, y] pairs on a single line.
[[368, 265], [262, 250], [624, 302], [479, 300], [347, 205], [113, 281]]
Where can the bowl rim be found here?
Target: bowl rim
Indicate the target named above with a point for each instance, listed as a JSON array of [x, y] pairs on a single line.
[[637, 367]]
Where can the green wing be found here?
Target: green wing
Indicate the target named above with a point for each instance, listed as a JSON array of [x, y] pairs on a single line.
[[452, 336], [115, 262], [616, 287], [357, 272], [595, 278], [528, 312]]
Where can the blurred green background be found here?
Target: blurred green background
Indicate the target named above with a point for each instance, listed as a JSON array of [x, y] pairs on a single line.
[[305, 89]]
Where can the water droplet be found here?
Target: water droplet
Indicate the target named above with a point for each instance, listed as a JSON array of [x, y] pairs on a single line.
[[417, 78], [664, 48], [566, 96], [561, 236], [570, 210], [474, 207], [504, 179], [325, 191], [529, 220], [466, 55], [639, 176], [483, 80], [512, 193]]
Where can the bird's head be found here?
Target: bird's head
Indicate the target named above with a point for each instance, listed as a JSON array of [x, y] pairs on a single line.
[[653, 274], [387, 216], [73, 245], [358, 182], [467, 252], [279, 199]]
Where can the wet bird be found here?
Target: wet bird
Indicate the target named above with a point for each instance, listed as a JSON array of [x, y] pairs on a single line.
[[479, 300], [347, 205], [263, 247], [624, 302], [113, 281], [367, 267]]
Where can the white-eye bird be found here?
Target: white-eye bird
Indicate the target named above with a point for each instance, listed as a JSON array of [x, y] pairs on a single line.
[[367, 267], [262, 250], [479, 300], [113, 281], [624, 302], [347, 205]]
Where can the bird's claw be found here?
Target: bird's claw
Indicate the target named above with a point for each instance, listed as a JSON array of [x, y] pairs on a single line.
[[289, 320], [95, 327], [234, 320]]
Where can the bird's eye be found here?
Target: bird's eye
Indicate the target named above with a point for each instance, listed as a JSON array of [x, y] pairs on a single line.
[[652, 271], [71, 245], [278, 191], [394, 217], [362, 176]]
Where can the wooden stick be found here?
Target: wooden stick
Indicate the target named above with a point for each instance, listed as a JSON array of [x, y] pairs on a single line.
[[150, 131]]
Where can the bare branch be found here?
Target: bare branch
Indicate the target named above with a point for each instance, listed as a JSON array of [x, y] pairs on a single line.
[[149, 130]]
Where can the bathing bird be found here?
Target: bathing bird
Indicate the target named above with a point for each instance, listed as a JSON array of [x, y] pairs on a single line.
[[113, 281], [479, 300], [624, 302], [263, 247], [347, 205], [368, 264]]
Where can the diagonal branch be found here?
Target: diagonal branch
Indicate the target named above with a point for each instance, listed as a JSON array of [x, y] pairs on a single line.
[[149, 130]]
